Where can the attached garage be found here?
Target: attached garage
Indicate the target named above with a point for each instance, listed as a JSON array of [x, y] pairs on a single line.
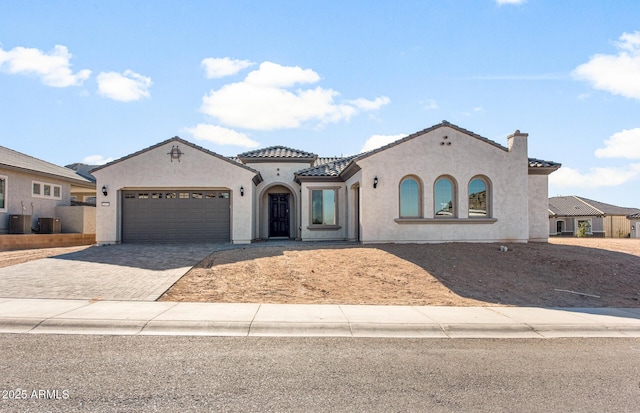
[[176, 216]]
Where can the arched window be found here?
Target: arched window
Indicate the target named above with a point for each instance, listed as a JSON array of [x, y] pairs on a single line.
[[410, 198], [479, 198], [445, 205]]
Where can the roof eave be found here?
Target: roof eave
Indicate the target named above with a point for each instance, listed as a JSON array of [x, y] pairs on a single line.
[[300, 179], [80, 181], [245, 160], [182, 141], [543, 170]]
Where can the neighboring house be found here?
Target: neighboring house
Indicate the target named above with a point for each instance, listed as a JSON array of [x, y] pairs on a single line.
[[441, 184], [568, 213], [634, 221], [33, 187], [84, 196]]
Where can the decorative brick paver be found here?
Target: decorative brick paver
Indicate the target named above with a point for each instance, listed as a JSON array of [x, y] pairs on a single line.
[[137, 272]]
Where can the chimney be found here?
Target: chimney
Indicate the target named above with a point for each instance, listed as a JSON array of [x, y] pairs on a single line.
[[517, 141]]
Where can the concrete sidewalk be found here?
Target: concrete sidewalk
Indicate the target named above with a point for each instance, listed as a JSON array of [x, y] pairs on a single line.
[[51, 316]]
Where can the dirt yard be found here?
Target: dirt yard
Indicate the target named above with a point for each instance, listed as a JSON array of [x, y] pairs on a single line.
[[16, 257], [567, 272], [605, 271]]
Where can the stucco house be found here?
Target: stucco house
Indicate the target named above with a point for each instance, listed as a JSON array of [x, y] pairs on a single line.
[[634, 220], [441, 184], [36, 189], [568, 213]]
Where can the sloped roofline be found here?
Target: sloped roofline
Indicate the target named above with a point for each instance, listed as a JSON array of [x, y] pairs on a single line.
[[33, 165], [536, 166], [414, 135], [184, 142], [600, 208]]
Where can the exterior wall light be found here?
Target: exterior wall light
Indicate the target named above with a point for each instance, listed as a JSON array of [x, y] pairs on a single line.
[[241, 190], [375, 182], [104, 190]]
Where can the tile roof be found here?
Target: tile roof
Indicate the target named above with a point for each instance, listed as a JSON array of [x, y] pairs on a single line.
[[17, 160], [279, 152], [327, 159], [539, 163], [328, 169], [83, 169], [577, 206], [611, 209]]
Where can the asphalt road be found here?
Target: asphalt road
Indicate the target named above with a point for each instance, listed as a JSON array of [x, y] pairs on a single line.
[[178, 374]]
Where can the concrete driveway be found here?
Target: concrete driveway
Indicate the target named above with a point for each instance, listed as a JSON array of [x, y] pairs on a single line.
[[119, 272]]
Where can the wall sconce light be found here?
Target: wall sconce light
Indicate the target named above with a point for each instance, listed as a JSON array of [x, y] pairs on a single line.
[[375, 182], [241, 190], [104, 190]]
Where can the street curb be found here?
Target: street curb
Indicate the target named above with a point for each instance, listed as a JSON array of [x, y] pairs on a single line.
[[318, 329]]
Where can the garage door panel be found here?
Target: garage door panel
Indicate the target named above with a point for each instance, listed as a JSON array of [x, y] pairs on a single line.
[[176, 216]]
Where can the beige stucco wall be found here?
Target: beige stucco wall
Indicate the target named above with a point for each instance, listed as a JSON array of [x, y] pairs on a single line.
[[635, 233], [77, 219], [461, 157], [278, 177], [538, 208], [19, 195], [319, 233], [154, 169]]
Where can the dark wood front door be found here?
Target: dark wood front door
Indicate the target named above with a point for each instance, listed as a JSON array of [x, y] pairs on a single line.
[[278, 215]]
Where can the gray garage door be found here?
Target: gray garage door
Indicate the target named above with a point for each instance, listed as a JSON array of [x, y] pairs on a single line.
[[175, 216]]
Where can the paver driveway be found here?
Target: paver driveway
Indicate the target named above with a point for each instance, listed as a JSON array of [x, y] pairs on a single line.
[[140, 272]]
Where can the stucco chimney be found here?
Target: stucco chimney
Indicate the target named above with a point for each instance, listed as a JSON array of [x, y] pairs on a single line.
[[517, 141]]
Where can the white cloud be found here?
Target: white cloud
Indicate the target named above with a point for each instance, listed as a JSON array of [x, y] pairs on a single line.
[[377, 141], [96, 160], [430, 105], [501, 2], [567, 177], [618, 74], [224, 66], [53, 68], [221, 136], [264, 101], [274, 75], [624, 144], [366, 104], [124, 87]]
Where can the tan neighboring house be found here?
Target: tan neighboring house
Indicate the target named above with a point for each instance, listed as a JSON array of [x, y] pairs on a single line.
[[568, 213], [32, 189], [440, 184]]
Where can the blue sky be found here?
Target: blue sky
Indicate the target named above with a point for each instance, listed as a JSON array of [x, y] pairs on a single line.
[[97, 80]]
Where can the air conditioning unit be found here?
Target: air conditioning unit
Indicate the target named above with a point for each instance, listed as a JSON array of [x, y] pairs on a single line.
[[49, 225], [19, 224]]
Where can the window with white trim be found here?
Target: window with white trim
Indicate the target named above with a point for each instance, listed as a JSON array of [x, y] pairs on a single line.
[[46, 190], [586, 224]]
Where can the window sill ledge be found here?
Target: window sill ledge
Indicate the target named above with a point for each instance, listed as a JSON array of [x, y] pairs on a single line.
[[324, 227], [445, 220]]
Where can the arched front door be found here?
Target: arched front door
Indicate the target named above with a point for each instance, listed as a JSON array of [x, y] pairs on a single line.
[[279, 215]]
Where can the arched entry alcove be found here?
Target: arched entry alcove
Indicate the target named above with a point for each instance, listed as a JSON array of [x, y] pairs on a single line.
[[278, 205]]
